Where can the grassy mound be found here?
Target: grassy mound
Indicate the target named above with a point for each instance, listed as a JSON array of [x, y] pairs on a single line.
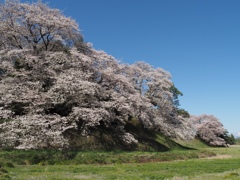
[[37, 157], [107, 139]]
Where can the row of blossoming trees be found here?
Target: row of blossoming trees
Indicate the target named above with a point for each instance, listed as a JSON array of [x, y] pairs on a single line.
[[54, 87]]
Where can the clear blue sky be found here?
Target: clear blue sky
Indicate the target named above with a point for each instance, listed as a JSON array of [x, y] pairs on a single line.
[[197, 41]]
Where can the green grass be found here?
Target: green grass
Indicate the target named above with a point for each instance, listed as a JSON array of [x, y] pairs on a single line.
[[175, 164], [160, 170], [195, 144], [34, 157], [233, 151]]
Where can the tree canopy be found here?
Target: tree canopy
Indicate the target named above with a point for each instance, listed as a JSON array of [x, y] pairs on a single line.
[[36, 27]]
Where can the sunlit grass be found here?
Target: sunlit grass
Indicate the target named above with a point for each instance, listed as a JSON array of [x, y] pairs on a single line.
[[161, 170], [96, 157], [233, 151], [132, 165], [231, 175]]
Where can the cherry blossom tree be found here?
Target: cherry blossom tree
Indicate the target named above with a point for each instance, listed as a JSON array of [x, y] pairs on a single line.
[[156, 87], [35, 26], [209, 129], [60, 84]]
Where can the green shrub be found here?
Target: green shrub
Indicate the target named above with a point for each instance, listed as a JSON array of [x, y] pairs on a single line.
[[9, 165], [3, 171], [4, 177], [231, 175]]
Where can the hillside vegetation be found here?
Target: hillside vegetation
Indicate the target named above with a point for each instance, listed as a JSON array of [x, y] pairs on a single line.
[[58, 92]]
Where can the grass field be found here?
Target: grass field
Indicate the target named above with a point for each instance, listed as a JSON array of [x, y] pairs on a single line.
[[176, 164]]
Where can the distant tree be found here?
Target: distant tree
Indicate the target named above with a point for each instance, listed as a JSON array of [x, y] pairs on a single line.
[[176, 93], [229, 138], [237, 140], [209, 129]]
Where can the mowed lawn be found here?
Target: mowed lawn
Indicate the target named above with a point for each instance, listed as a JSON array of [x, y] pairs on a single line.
[[225, 165]]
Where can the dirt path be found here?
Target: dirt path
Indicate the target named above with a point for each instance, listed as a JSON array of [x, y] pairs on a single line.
[[219, 156]]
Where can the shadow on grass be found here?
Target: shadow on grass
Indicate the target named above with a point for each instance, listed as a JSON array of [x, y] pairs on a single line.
[[109, 139]]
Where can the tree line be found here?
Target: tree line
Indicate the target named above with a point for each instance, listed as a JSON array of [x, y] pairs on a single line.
[[55, 86]]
